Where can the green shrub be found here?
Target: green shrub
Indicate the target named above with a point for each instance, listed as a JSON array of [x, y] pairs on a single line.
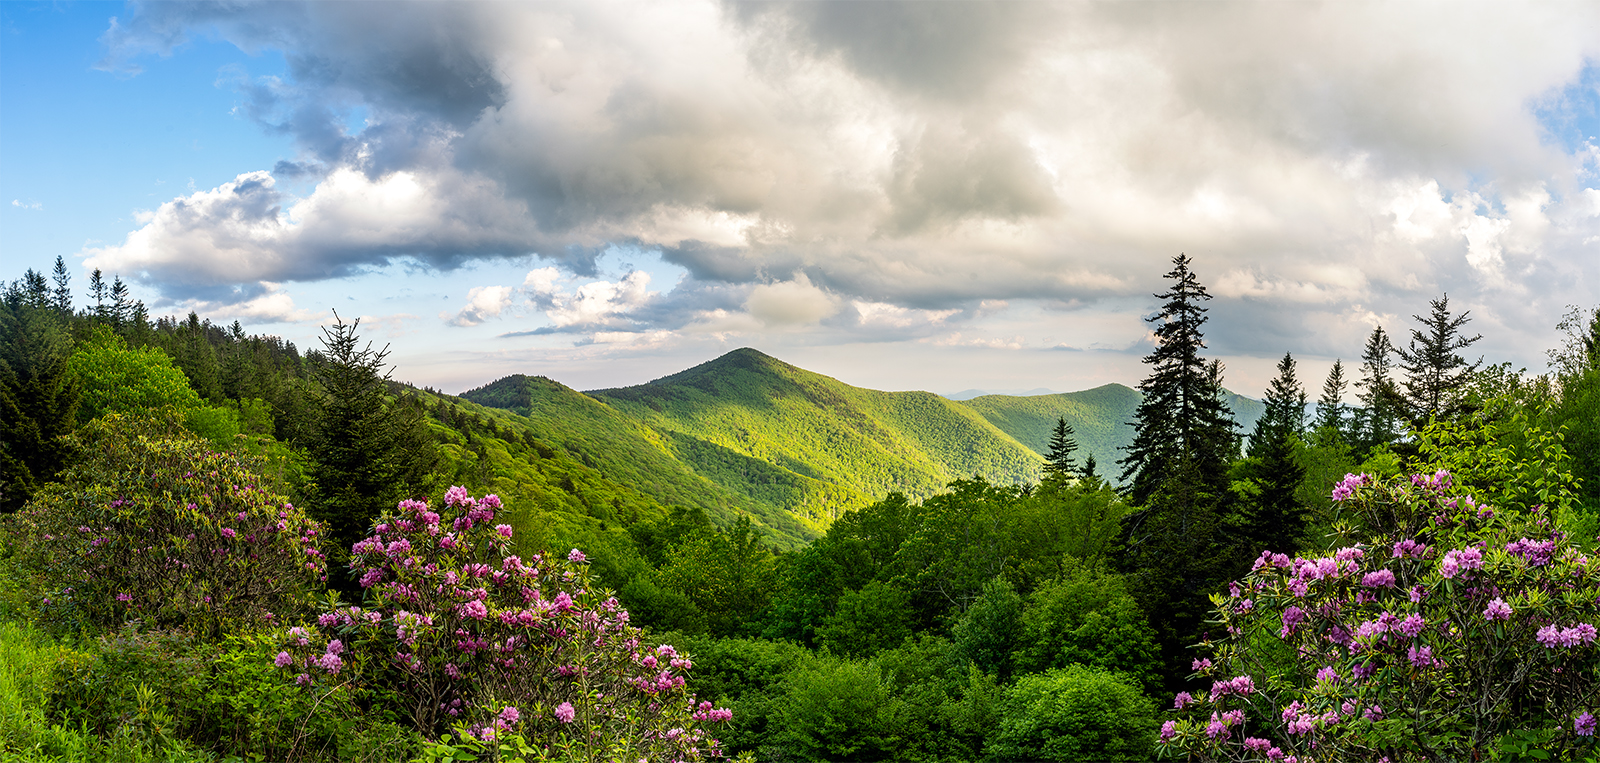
[[117, 379], [838, 710], [1087, 617], [1075, 713]]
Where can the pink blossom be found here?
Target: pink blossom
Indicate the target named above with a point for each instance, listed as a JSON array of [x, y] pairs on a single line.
[[1498, 609], [503, 530], [1169, 730], [1183, 700], [576, 556], [227, 532], [565, 713], [1584, 724], [282, 660]]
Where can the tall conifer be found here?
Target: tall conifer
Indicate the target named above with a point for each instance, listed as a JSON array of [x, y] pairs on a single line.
[[1174, 549], [1436, 374], [1378, 418], [1059, 462], [1277, 517], [1330, 406]]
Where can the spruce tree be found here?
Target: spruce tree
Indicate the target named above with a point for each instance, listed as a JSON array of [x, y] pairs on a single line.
[[97, 290], [1181, 415], [1276, 517], [353, 461], [1378, 418], [1173, 548], [1059, 463], [1436, 374], [121, 305], [63, 291], [1330, 406], [38, 395]]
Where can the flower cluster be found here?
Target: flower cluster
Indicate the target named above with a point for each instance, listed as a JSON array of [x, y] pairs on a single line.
[[1464, 601], [494, 642]]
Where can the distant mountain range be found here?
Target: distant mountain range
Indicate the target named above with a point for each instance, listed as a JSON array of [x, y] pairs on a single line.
[[794, 449]]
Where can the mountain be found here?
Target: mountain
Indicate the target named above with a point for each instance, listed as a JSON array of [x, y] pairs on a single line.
[[749, 435], [861, 443], [631, 453], [968, 394]]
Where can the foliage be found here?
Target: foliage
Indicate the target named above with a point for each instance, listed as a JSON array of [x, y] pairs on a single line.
[[38, 397], [155, 526], [1450, 628], [989, 629], [1074, 713], [727, 576], [837, 709], [465, 633], [118, 379], [868, 621], [1087, 617]]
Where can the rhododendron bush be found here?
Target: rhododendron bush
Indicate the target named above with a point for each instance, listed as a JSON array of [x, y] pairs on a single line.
[[154, 526], [473, 637], [1452, 630]]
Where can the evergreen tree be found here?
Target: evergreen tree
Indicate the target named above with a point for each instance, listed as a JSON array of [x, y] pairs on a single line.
[[368, 452], [1276, 517], [1174, 550], [63, 291], [1059, 462], [38, 397], [121, 305], [97, 290], [1181, 416], [1436, 374], [1090, 479], [1330, 407], [1377, 419]]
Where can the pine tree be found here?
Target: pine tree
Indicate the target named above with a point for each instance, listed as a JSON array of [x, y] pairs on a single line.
[[1436, 374], [1059, 463], [1377, 419], [1174, 550], [1330, 407], [1276, 515]]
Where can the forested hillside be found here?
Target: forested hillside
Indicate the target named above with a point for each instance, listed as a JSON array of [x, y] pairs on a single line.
[[868, 442]]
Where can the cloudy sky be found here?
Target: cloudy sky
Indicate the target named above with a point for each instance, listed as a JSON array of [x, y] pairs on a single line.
[[911, 195]]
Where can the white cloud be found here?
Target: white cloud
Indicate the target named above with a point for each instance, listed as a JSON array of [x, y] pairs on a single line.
[[33, 205], [270, 305], [483, 303], [1021, 151]]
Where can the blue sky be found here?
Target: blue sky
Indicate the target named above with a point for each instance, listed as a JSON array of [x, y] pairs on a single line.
[[905, 196]]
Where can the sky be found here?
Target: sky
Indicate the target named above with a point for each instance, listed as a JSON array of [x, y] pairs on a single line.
[[901, 195]]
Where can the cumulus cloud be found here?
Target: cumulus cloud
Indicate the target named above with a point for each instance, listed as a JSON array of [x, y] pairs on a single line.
[[483, 303], [926, 156]]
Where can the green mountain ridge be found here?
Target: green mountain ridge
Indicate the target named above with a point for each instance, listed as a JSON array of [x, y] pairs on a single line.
[[746, 434]]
